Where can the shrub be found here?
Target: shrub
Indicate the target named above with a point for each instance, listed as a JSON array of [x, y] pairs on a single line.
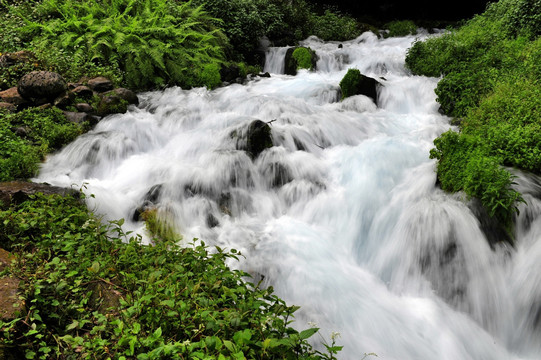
[[400, 28], [334, 26], [92, 292], [28, 136]]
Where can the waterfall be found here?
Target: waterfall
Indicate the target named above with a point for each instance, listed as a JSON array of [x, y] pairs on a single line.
[[341, 216]]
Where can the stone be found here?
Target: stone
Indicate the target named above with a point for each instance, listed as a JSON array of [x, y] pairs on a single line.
[[15, 192], [83, 92], [111, 103], [77, 117], [10, 304], [355, 83], [7, 107], [10, 59], [12, 96], [259, 138], [41, 84], [84, 107], [127, 95], [229, 73], [100, 84], [291, 64], [64, 100]]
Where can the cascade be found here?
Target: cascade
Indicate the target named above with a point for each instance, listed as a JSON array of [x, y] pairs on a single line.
[[341, 215]]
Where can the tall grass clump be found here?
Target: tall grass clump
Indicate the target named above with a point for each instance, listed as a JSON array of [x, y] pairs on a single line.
[[153, 43], [491, 76]]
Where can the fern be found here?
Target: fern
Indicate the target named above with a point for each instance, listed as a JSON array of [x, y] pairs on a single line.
[[154, 42]]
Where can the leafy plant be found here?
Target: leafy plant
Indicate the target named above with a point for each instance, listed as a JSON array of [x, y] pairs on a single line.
[[400, 28], [92, 291]]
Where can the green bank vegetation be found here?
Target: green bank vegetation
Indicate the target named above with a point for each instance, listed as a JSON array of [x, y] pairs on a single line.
[[91, 291], [490, 84]]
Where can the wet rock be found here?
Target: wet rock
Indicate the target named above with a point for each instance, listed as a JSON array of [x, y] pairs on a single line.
[[100, 84], [493, 229], [355, 83], [264, 75], [278, 174], [229, 73], [153, 195], [224, 203], [291, 64], [42, 85], [7, 107], [150, 200], [212, 221], [15, 192], [258, 138], [83, 92]]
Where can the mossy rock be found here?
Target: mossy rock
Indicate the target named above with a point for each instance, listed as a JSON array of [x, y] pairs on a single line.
[[355, 83], [299, 58]]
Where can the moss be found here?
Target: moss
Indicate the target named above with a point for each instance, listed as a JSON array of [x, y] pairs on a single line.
[[303, 56]]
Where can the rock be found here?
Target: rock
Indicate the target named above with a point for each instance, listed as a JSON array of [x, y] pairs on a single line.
[[255, 138], [83, 92], [5, 259], [355, 83], [229, 73], [105, 297], [291, 64], [264, 75], [211, 221], [150, 199], [100, 84], [84, 107], [41, 84], [15, 192], [77, 117], [10, 59], [64, 100], [111, 104], [125, 94], [12, 96], [21, 131], [10, 304], [7, 107]]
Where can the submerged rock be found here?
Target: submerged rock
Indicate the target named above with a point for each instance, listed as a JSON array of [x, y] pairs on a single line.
[[257, 138]]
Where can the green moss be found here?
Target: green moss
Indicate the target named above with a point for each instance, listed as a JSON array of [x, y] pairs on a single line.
[[303, 56]]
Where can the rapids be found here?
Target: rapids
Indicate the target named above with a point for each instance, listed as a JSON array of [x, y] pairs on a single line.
[[355, 231]]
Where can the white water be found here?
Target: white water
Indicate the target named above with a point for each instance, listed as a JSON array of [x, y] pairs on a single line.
[[360, 237]]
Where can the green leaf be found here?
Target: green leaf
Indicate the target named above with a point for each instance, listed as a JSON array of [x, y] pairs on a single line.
[[305, 334]]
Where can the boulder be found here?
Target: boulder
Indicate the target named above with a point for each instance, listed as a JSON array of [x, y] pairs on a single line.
[[255, 138], [77, 117], [291, 63], [64, 100], [12, 96], [125, 94], [5, 106], [83, 92], [10, 59], [84, 107], [15, 192], [355, 83], [111, 104], [42, 85], [100, 84]]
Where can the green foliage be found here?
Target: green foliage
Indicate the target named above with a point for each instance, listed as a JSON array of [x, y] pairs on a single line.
[[153, 42], [210, 76], [303, 57], [465, 164], [350, 83], [27, 136], [92, 292], [333, 25], [491, 73], [400, 28]]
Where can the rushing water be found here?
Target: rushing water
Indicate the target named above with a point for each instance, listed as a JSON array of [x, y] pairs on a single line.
[[341, 216]]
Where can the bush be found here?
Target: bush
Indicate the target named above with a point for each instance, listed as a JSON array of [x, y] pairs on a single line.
[[334, 26], [400, 28], [28, 136], [92, 292]]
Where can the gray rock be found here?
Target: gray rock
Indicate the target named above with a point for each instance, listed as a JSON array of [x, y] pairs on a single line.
[[100, 84], [84, 107]]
